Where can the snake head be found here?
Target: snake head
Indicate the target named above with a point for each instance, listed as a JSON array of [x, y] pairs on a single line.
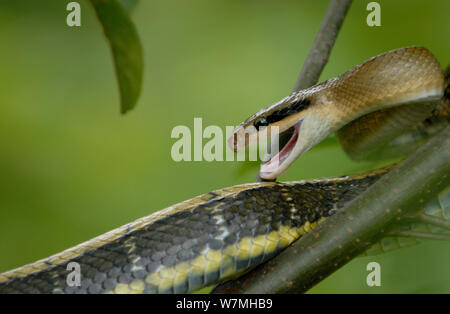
[[295, 113], [407, 78]]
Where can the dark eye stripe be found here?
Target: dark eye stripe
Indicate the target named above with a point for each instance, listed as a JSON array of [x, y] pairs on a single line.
[[294, 107], [261, 122]]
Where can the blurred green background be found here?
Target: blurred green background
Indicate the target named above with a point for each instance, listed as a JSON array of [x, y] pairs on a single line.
[[71, 167]]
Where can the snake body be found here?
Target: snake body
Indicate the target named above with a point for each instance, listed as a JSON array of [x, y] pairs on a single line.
[[195, 243], [223, 233]]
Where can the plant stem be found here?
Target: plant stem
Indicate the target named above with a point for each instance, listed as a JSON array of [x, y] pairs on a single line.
[[439, 222], [420, 235], [323, 43]]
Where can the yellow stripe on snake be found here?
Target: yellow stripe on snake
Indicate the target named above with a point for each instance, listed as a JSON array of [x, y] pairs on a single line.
[[220, 234]]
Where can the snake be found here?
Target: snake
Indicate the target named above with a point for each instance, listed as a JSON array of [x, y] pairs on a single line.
[[222, 234]]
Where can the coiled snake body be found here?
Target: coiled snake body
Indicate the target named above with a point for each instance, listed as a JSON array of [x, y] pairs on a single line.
[[226, 232]]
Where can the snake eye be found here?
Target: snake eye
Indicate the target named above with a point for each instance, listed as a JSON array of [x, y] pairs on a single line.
[[292, 108], [299, 105], [260, 123]]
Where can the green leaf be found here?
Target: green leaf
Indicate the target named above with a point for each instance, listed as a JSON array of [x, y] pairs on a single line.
[[126, 49]]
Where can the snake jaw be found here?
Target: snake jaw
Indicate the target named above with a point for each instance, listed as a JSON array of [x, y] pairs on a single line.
[[289, 113], [311, 129], [281, 161]]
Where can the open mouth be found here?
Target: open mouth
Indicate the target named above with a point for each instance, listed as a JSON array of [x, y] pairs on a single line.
[[287, 142], [273, 168]]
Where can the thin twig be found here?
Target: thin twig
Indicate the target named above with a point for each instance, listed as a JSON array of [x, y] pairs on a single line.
[[323, 43], [424, 218], [316, 59], [420, 235]]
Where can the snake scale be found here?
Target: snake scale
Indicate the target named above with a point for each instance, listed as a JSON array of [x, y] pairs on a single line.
[[223, 233]]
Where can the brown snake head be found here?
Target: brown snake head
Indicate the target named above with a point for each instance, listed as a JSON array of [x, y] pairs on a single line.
[[407, 76]]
